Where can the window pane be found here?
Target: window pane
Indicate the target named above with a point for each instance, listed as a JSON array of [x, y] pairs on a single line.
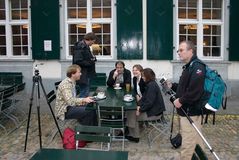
[[188, 32], [181, 13], [216, 30], [2, 10], [20, 40], [216, 14], [192, 3], [187, 9], [76, 33], [216, 51], [96, 3], [3, 51], [19, 9], [103, 38], [212, 40], [2, 40], [107, 3], [15, 4], [192, 13], [16, 40], [212, 9], [76, 9], [96, 12], [107, 13]]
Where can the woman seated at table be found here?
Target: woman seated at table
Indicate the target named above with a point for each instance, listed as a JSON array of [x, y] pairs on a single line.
[[149, 106], [138, 90]]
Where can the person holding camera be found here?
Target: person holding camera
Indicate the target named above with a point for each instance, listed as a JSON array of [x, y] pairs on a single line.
[[67, 105], [188, 93], [83, 57]]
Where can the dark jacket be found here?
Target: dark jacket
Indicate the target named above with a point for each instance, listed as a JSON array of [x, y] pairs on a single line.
[[152, 101], [141, 85], [126, 76], [190, 88], [83, 57]]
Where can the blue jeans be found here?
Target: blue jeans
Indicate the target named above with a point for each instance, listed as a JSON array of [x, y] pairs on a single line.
[[83, 89], [85, 117]]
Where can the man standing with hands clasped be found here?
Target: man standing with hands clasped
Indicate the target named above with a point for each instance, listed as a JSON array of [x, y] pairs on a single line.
[[188, 93]]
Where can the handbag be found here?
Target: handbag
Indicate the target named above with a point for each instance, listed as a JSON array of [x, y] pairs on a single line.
[[177, 140], [69, 139]]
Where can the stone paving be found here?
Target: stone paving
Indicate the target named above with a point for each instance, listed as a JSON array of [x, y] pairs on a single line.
[[223, 137]]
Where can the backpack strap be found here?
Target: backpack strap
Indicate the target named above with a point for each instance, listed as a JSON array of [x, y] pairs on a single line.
[[190, 66]]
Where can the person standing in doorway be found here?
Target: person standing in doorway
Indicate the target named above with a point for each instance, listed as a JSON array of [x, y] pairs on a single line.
[[83, 57]]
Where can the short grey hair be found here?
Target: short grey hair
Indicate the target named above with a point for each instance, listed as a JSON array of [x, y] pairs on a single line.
[[190, 45]]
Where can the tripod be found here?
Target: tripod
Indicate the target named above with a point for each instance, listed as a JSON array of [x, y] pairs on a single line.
[[37, 81]]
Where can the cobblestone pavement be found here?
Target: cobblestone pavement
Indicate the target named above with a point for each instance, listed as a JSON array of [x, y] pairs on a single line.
[[223, 137]]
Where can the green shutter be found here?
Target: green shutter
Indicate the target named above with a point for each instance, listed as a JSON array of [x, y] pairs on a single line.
[[160, 29], [45, 26], [234, 33], [129, 29]]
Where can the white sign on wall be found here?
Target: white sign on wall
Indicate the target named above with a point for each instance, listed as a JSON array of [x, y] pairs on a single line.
[[47, 45]]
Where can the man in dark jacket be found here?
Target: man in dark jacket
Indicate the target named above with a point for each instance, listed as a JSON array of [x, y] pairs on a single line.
[[119, 75], [83, 57], [188, 93]]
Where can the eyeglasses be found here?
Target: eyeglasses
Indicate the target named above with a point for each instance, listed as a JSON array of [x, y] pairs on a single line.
[[180, 50]]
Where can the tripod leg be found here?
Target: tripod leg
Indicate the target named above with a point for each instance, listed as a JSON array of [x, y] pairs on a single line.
[[38, 114], [29, 115], [52, 113]]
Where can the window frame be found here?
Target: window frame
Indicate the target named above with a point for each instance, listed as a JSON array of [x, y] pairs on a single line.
[[8, 23], [200, 22], [88, 21]]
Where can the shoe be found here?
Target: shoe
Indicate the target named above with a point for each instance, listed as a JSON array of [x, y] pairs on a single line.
[[132, 139]]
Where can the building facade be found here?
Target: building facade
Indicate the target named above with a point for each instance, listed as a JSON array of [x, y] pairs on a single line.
[[42, 33]]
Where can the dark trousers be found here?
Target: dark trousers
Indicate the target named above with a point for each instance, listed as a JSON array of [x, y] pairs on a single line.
[[85, 117]]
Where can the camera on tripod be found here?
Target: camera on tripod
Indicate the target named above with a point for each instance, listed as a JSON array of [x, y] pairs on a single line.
[[167, 90], [36, 70]]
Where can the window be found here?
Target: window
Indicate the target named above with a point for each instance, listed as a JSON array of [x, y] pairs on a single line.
[[85, 16], [201, 21], [14, 24]]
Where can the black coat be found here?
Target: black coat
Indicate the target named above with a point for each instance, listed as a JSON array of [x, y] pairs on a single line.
[[152, 100], [126, 76], [83, 57], [190, 88]]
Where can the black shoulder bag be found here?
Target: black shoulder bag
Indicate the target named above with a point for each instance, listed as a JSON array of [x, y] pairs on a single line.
[[177, 140]]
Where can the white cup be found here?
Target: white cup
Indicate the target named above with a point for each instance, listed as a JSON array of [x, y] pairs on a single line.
[[101, 95], [128, 97], [117, 85]]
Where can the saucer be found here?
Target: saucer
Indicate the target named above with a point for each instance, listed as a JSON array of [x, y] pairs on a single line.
[[128, 99], [117, 87], [97, 98]]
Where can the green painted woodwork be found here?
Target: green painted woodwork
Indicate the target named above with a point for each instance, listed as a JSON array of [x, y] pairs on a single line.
[[160, 29], [63, 154], [45, 26], [129, 29], [233, 31]]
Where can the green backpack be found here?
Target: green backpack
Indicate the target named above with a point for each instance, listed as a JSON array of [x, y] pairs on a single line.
[[214, 90]]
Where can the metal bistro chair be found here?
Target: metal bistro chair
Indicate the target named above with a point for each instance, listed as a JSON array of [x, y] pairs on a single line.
[[94, 134], [112, 117], [8, 104], [51, 96]]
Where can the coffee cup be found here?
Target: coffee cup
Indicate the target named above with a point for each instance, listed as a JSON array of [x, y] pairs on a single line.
[[117, 85], [101, 95], [128, 97]]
